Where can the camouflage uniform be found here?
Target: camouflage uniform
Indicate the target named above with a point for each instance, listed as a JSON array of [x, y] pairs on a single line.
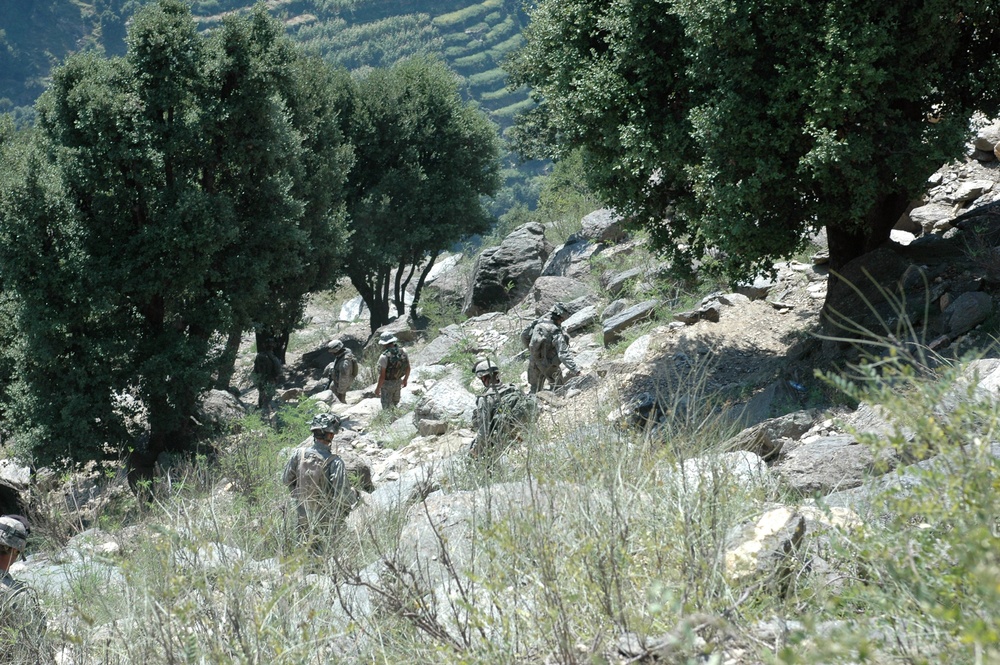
[[317, 480], [341, 373], [392, 386], [22, 622], [544, 365], [502, 412]]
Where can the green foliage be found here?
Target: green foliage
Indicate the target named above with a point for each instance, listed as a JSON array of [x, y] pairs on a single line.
[[429, 157], [929, 565], [513, 109], [174, 194], [486, 79], [827, 103], [465, 15], [475, 60], [380, 43]]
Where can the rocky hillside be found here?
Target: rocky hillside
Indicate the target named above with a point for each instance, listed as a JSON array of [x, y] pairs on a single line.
[[730, 373]]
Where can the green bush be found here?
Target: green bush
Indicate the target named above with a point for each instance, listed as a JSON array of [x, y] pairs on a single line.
[[929, 561]]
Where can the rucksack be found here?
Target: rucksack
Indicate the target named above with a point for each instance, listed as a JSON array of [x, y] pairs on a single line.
[[540, 345], [354, 364], [395, 365], [319, 476]]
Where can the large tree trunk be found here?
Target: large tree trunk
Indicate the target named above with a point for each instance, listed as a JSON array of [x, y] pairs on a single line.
[[227, 363], [376, 296], [847, 244], [844, 304], [420, 284]]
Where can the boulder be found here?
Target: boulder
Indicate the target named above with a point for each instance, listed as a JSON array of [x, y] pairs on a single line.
[[616, 283], [614, 326], [447, 400], [603, 226], [14, 480], [218, 409], [504, 274], [767, 438], [756, 289], [636, 351], [547, 291], [450, 282], [826, 464], [927, 216], [987, 138], [354, 309], [966, 312], [571, 259], [357, 469], [773, 546], [431, 427], [438, 349], [410, 487], [614, 308], [970, 190], [582, 320]]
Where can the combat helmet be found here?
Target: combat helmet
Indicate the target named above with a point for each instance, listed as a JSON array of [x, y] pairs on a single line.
[[335, 346], [325, 422], [13, 533], [484, 367]]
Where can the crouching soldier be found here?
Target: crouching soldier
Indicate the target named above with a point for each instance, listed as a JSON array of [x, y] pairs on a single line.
[[502, 412], [317, 480]]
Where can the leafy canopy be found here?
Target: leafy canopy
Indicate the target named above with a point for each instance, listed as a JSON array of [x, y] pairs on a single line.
[[742, 125], [425, 160], [162, 202]]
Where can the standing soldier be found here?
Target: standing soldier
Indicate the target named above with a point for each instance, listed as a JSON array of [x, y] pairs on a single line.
[[502, 411], [548, 346], [318, 482], [393, 371], [22, 623], [342, 371]]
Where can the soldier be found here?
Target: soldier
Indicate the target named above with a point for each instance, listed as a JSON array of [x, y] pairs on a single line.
[[393, 373], [502, 411], [548, 346], [318, 482], [22, 623], [342, 371]]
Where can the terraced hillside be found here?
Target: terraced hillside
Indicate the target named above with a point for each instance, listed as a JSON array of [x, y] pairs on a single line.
[[472, 36]]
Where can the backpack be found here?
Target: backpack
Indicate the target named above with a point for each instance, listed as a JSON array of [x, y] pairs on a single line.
[[319, 476], [540, 344], [395, 365], [354, 364], [500, 416]]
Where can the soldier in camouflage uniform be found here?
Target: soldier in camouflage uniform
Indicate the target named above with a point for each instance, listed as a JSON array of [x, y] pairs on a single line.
[[548, 346], [317, 480], [393, 372], [342, 371], [22, 623], [502, 412]]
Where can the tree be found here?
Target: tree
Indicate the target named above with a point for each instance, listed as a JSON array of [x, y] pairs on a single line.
[[742, 125], [425, 159], [158, 200]]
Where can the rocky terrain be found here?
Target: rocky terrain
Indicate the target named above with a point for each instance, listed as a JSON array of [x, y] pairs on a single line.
[[648, 352]]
